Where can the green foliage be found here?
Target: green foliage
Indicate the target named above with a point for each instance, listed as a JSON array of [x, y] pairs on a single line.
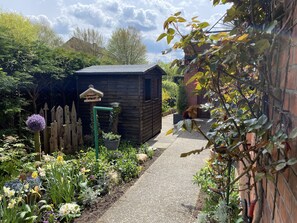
[[170, 87], [125, 47], [181, 103], [13, 155], [146, 149], [235, 70], [21, 29], [111, 136], [127, 166], [212, 180], [169, 70], [60, 184]]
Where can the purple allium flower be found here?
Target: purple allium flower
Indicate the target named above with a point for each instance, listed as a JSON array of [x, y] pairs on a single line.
[[35, 123]]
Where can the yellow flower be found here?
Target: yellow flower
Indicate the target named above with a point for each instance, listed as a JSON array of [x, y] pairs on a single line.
[[84, 170], [35, 191], [60, 159], [34, 175], [8, 192], [19, 199], [11, 203]]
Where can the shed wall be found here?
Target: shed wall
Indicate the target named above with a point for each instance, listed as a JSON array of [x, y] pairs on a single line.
[[116, 88]]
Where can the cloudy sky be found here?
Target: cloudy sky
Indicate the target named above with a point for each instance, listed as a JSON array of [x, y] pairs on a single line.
[[106, 15]]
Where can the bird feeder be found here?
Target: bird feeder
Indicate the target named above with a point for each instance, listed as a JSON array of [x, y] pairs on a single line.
[[91, 95]]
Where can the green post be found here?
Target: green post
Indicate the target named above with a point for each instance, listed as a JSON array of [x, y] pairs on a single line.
[[95, 108]]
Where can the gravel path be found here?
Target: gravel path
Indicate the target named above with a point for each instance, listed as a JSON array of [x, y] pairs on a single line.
[[165, 192]]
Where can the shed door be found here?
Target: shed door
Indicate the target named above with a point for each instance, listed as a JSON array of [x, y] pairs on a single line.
[[157, 106]]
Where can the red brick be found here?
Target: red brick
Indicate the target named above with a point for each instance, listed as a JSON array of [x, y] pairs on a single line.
[[293, 103], [286, 105], [288, 197], [294, 208], [292, 77], [293, 183], [277, 218]]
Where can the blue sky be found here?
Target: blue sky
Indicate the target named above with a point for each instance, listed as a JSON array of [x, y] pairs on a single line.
[[106, 15]]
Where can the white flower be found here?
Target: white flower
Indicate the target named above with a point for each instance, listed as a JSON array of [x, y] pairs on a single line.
[[48, 158], [26, 186], [19, 199], [1, 197], [8, 192], [69, 208], [41, 172], [11, 203]]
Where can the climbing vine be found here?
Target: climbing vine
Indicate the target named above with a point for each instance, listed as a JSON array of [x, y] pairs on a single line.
[[236, 68]]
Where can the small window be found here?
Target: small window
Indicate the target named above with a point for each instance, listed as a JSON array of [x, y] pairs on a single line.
[[147, 89]]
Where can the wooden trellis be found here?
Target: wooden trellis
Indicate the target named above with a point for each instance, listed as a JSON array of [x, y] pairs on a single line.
[[64, 132]]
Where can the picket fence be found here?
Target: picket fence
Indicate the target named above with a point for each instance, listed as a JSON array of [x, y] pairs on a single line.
[[64, 132]]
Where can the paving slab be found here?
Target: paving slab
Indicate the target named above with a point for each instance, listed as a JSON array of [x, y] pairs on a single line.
[[165, 193]]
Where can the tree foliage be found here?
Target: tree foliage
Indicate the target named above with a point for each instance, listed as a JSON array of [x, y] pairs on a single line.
[[22, 30], [89, 35], [125, 47], [32, 70], [47, 36]]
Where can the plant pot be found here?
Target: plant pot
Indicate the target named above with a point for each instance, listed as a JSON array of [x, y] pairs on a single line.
[[111, 144], [177, 118]]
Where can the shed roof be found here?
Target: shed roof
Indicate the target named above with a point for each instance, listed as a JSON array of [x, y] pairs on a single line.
[[120, 69]]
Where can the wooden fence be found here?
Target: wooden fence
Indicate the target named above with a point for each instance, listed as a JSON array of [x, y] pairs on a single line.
[[64, 132]]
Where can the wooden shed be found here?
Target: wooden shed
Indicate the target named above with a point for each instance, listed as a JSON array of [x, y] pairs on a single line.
[[138, 89]]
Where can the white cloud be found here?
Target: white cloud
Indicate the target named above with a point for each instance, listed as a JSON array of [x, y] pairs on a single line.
[[40, 19], [62, 25], [147, 16]]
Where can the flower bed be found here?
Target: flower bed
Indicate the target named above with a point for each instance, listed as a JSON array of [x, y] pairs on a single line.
[[59, 187]]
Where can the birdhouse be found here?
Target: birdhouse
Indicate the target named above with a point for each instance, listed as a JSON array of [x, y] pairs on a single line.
[[91, 95]]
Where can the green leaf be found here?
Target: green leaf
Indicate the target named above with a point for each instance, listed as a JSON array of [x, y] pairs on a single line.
[[169, 38], [250, 122], [271, 26], [171, 31], [280, 166], [262, 120], [216, 2], [177, 13], [292, 161], [262, 45], [203, 25], [259, 176], [293, 134], [181, 19], [161, 36]]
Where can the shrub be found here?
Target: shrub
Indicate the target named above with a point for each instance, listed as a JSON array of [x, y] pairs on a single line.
[[181, 103], [170, 87], [127, 166]]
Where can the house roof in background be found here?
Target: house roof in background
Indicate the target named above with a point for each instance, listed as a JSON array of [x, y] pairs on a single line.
[[120, 69]]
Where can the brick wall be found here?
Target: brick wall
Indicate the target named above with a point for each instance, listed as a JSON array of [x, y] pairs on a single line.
[[285, 113]]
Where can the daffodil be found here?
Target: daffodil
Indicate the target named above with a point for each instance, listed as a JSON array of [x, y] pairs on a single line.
[[8, 192], [60, 159], [35, 191], [11, 204], [34, 175]]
